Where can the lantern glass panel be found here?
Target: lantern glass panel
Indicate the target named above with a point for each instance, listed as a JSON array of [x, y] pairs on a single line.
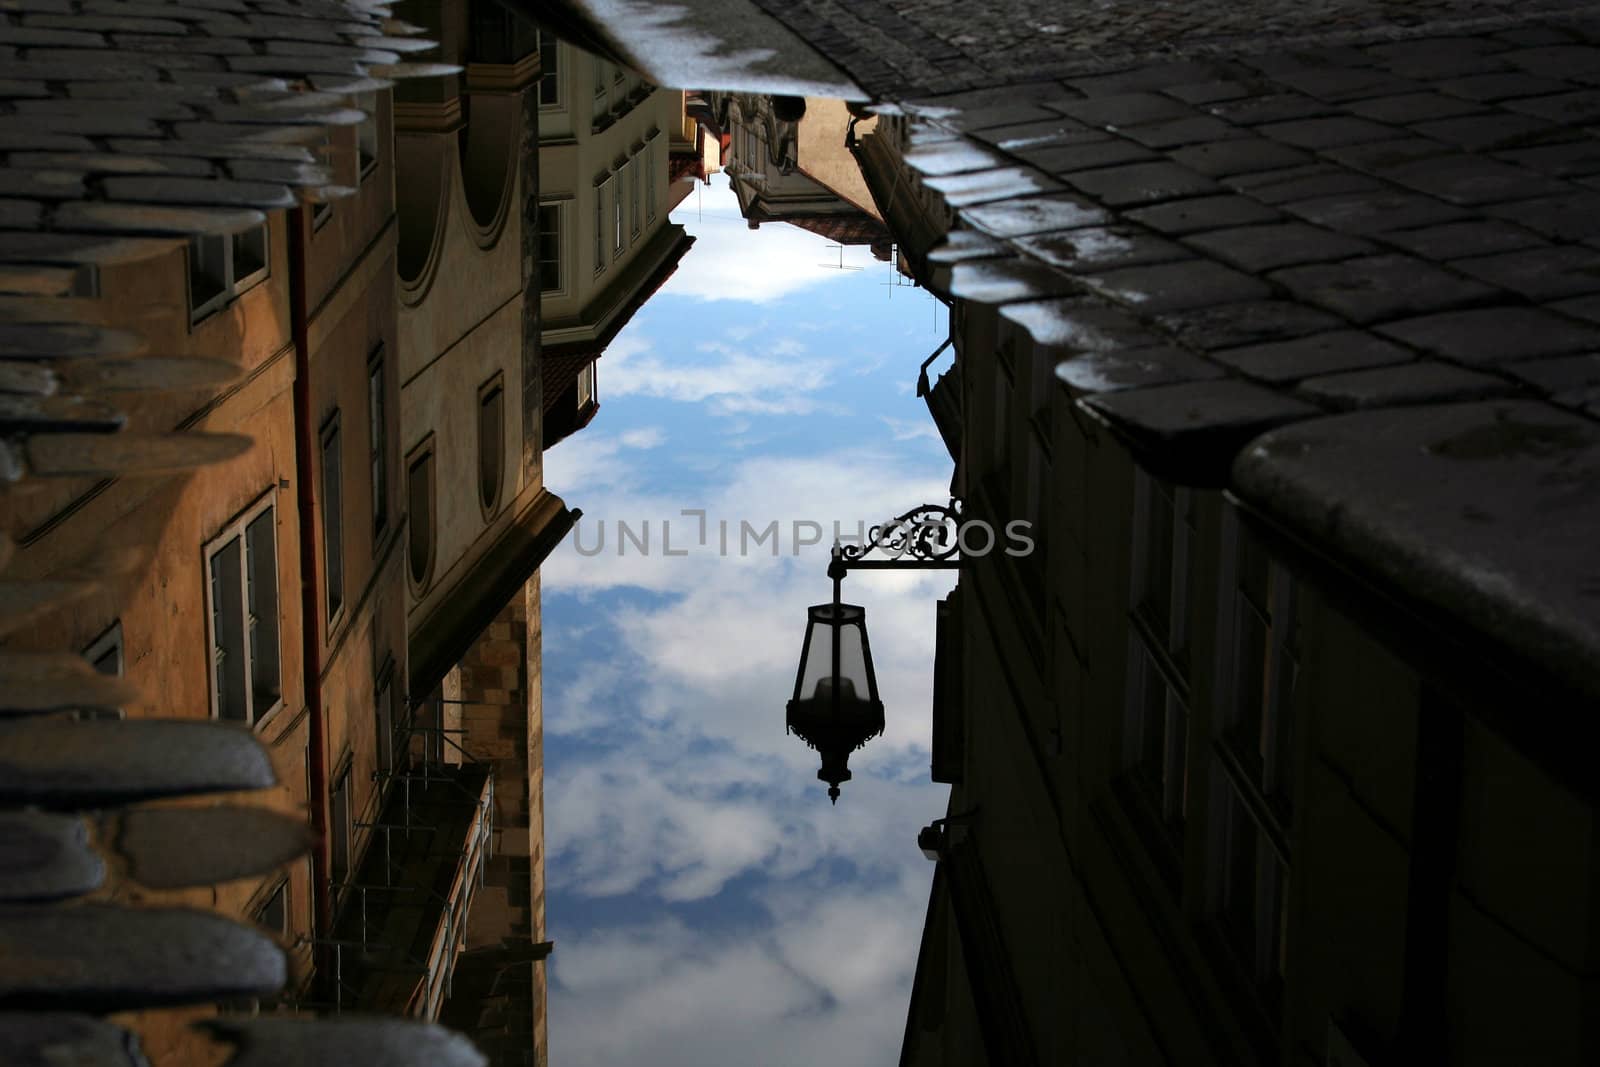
[[817, 671]]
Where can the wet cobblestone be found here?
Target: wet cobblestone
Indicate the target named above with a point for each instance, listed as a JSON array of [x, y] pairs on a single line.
[[896, 49]]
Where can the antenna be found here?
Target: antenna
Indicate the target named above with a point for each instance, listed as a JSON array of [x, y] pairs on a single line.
[[839, 265]]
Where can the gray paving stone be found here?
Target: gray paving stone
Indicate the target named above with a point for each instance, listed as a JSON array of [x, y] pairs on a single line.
[[1166, 287], [1564, 217], [1584, 307], [266, 1041], [952, 157], [1306, 357], [1556, 61], [1210, 92], [1191, 431], [1420, 382], [1079, 325], [1412, 107], [1329, 132], [1141, 183], [1034, 214], [1262, 248], [177, 190], [1484, 336], [1473, 180], [1103, 153], [976, 119], [1489, 133], [1148, 77], [1126, 109], [1253, 322], [1281, 107], [978, 187], [1560, 374], [1345, 83], [1443, 503], [1573, 159], [1374, 212], [1377, 156], [1454, 240], [1101, 248], [1052, 132], [960, 245], [1496, 86], [1573, 108], [1136, 368], [1196, 129], [1203, 213], [47, 1039], [1376, 288], [1239, 156], [1539, 273], [1304, 183], [1002, 281]]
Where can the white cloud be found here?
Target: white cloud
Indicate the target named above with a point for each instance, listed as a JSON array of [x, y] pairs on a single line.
[[730, 261], [643, 437], [773, 379]]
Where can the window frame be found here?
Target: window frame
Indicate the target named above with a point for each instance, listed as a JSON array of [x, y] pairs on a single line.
[[238, 529], [258, 913], [378, 439], [550, 72], [233, 286], [423, 452], [493, 388], [615, 216], [330, 509], [1246, 788], [649, 177], [559, 208], [108, 641], [367, 130], [341, 829], [601, 189], [634, 168]]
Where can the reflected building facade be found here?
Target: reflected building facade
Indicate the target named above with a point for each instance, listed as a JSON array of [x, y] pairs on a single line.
[[1214, 798], [605, 140]]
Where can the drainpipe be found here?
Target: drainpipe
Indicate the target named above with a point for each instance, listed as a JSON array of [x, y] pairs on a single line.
[[311, 628]]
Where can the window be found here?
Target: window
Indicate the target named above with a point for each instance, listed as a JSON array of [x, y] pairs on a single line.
[[242, 610], [616, 216], [367, 134], [223, 266], [600, 193], [550, 248], [384, 704], [586, 385], [339, 829], [333, 516], [1156, 716], [650, 180], [105, 652], [633, 196], [491, 442], [378, 440], [1252, 765], [419, 495], [550, 65], [273, 914]]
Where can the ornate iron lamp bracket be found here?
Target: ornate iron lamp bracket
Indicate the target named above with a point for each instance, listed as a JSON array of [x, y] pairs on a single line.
[[927, 536]]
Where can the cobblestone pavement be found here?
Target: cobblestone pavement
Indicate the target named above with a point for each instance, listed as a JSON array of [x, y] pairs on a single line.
[[900, 48]]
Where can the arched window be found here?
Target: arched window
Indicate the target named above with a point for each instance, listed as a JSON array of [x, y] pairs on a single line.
[[491, 442], [420, 504]]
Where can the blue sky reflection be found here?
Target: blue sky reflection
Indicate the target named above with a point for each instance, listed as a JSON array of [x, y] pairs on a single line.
[[708, 905]]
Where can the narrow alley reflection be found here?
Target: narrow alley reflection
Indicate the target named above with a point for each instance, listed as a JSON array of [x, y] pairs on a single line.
[[431, 431]]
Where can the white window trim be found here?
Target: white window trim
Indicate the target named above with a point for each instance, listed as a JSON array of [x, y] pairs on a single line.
[[232, 287], [650, 198], [237, 528], [616, 219], [564, 243], [109, 640], [601, 248], [563, 60]]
